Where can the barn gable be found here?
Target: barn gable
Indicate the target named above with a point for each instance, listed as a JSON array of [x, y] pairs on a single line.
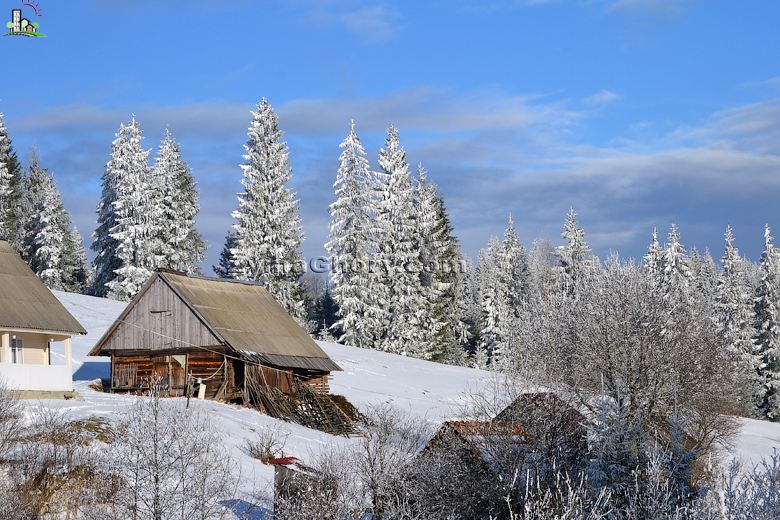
[[157, 320]]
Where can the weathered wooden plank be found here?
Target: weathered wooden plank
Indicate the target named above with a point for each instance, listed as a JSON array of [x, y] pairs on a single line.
[[160, 321]]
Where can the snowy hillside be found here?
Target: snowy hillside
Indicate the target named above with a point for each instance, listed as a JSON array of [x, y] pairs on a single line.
[[427, 390], [95, 315], [369, 377]]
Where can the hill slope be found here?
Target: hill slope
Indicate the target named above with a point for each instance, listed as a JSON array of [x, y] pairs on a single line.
[[427, 390]]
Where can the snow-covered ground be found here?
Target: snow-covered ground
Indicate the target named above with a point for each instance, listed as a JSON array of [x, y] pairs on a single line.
[[427, 390]]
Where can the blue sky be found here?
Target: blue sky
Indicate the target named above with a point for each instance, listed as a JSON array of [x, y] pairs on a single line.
[[638, 113]]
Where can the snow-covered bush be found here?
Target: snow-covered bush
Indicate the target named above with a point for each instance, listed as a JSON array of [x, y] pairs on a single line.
[[268, 444], [170, 464], [754, 495]]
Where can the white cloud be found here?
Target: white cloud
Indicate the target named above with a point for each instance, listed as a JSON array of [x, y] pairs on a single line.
[[377, 23], [603, 97], [425, 109], [491, 154], [669, 7]]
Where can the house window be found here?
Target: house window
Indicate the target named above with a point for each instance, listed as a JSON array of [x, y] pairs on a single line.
[[17, 350]]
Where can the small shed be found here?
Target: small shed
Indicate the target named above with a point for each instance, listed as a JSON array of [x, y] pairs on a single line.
[[183, 330], [534, 428]]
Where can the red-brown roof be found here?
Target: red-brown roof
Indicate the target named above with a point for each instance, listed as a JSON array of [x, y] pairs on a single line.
[[283, 461], [472, 428]]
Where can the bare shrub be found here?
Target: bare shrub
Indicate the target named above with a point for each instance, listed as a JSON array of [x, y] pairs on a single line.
[[370, 476], [754, 495], [268, 444], [170, 464], [10, 419], [53, 464], [11, 508], [326, 490], [385, 453]]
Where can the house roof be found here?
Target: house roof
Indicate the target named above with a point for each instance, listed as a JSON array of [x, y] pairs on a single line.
[[25, 303], [245, 317], [485, 428], [540, 403]]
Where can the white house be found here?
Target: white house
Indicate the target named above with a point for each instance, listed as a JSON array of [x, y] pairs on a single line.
[[31, 321]]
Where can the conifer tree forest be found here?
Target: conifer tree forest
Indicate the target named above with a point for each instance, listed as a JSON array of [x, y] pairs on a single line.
[[398, 281]]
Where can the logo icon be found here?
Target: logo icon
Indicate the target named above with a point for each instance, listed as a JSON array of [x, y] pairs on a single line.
[[19, 26]]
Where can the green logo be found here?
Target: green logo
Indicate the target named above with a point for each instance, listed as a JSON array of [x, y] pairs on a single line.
[[19, 26]]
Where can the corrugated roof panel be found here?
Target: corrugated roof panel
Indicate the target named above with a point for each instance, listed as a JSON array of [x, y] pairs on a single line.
[[249, 319], [25, 303]]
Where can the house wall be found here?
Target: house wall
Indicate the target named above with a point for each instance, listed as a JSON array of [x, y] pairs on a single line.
[[36, 348], [43, 378], [159, 321]]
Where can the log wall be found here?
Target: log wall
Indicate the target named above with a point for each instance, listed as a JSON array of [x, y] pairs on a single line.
[[134, 372]]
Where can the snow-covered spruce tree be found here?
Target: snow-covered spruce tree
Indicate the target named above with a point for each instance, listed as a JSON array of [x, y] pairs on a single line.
[[10, 186], [514, 269], [42, 223], [350, 248], [766, 340], [706, 278], [126, 216], [267, 234], [48, 230], [575, 255], [695, 264], [6, 186], [492, 341], [177, 244], [654, 259], [75, 273], [453, 271], [676, 276], [542, 270], [469, 310], [512, 293], [325, 314], [224, 267], [396, 235], [44, 235], [442, 262], [734, 304], [6, 207]]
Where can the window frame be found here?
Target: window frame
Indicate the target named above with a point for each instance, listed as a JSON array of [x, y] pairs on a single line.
[[17, 350]]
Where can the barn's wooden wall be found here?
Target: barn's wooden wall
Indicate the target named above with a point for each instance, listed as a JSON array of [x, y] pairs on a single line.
[[321, 384], [209, 365], [134, 372], [159, 321]]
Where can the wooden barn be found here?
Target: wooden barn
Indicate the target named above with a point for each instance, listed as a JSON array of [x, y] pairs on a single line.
[[187, 332]]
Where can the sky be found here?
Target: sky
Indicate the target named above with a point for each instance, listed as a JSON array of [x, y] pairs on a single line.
[[636, 113]]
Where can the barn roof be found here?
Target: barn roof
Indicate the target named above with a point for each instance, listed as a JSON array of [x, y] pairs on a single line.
[[245, 317], [25, 303]]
